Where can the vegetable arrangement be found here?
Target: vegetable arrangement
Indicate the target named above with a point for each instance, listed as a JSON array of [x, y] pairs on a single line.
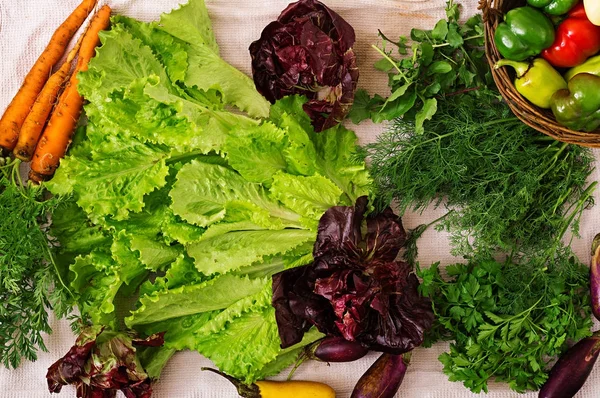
[[511, 193], [193, 213], [191, 204], [527, 33]]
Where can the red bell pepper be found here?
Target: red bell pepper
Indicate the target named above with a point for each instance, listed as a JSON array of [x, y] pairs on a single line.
[[576, 40]]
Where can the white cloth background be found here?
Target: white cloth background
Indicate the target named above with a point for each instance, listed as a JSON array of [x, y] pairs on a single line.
[[25, 28]]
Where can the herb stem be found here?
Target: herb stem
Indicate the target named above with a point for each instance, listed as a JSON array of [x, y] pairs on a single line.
[[54, 265], [465, 39], [392, 62]]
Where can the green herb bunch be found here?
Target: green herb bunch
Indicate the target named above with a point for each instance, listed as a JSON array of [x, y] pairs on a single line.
[[508, 189], [507, 320], [512, 188], [29, 279], [447, 60]]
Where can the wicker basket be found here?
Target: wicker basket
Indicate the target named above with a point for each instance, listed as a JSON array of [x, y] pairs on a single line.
[[540, 119]]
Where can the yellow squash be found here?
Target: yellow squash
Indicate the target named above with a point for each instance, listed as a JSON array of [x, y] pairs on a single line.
[[294, 389], [279, 389]]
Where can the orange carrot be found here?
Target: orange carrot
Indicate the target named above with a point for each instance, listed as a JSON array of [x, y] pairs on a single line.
[[57, 135], [37, 118], [18, 109]]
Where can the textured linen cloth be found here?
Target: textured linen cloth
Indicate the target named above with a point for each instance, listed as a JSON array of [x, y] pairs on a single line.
[[25, 29]]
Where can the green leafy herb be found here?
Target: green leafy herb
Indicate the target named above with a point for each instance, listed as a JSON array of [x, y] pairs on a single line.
[[511, 187], [444, 61], [30, 281], [507, 321]]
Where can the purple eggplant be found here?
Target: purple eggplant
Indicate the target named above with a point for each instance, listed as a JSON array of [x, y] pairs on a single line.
[[572, 369], [383, 378], [336, 349], [595, 277]]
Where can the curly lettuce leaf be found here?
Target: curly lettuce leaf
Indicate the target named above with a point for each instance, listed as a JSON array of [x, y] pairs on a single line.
[[75, 232], [237, 249], [155, 255], [308, 196], [229, 348], [299, 256], [133, 271], [180, 272], [207, 71], [202, 191], [147, 111], [337, 160], [168, 49], [223, 336], [146, 222], [120, 60], [288, 111], [116, 183], [300, 153], [174, 229], [331, 153], [190, 23], [96, 300], [257, 153], [211, 125], [215, 294]]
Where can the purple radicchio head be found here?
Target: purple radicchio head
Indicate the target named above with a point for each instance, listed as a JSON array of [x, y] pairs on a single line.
[[102, 363], [355, 288], [308, 51]]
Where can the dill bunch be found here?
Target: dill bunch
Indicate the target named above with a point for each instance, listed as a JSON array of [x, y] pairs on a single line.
[[30, 282], [509, 185]]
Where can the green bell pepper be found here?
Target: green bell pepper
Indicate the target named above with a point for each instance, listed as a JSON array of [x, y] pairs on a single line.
[[524, 33], [578, 107], [592, 66], [554, 7], [537, 81]]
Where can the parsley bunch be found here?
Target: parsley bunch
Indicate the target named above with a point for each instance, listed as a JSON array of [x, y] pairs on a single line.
[[29, 279], [507, 321], [444, 61]]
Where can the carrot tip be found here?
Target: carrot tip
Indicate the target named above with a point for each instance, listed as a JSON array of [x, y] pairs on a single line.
[[37, 177]]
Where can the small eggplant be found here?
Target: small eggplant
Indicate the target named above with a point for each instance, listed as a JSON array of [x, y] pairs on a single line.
[[572, 369], [383, 378], [336, 349], [595, 277]]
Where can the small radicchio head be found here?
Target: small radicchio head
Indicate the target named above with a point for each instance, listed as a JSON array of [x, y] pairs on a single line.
[[308, 51], [102, 363], [355, 288]]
